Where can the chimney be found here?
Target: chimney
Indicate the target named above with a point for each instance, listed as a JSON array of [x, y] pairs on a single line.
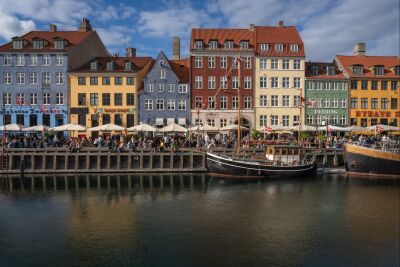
[[85, 25], [281, 23], [131, 52], [52, 28], [251, 27], [176, 48], [360, 49]]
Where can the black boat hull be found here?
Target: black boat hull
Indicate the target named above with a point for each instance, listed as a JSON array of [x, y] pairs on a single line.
[[225, 167], [361, 161]]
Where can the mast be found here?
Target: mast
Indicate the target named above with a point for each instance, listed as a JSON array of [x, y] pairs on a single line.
[[300, 120], [239, 102]]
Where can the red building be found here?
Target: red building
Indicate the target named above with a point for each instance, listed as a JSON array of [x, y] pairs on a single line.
[[214, 77]]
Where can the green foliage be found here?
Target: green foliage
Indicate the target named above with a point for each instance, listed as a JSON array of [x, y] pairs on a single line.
[[256, 134]]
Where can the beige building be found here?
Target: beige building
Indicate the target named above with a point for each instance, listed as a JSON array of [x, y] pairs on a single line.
[[279, 76]]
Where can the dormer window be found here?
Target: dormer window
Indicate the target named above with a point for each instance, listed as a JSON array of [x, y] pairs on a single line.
[[128, 65], [228, 44], [294, 47], [93, 65], [59, 44], [330, 70], [279, 47], [38, 44], [213, 44], [18, 44], [378, 70], [244, 44], [314, 70], [110, 65], [397, 70], [357, 69], [264, 47], [198, 45]]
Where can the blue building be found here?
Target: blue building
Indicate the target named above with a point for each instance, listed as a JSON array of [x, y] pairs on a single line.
[[165, 97], [34, 73]]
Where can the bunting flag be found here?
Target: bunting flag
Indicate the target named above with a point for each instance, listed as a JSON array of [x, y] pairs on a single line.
[[19, 101], [379, 128]]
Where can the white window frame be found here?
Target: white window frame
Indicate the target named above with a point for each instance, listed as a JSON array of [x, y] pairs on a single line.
[[162, 74], [285, 64], [7, 78], [285, 101], [59, 78], [182, 104], [20, 60], [170, 104], [223, 82], [198, 62], [46, 98], [198, 82], [59, 60], [34, 98], [248, 102], [7, 60], [285, 82], [235, 82], [223, 62], [247, 82], [33, 78], [274, 64], [59, 98], [223, 102], [263, 63], [211, 62], [211, 82], [182, 88], [46, 60], [159, 104], [148, 104], [274, 101], [150, 87], [7, 98], [264, 47], [20, 78], [263, 101]]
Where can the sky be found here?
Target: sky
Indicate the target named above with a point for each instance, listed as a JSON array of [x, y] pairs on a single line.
[[327, 27]]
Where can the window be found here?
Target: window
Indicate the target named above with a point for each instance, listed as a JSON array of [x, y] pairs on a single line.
[[393, 103], [294, 47], [46, 60], [213, 44], [263, 101], [150, 87], [118, 119], [110, 65], [223, 62], [394, 85], [374, 103], [364, 85], [353, 84], [211, 82], [59, 78], [118, 80], [296, 82], [20, 60], [244, 44], [160, 87], [384, 85], [81, 99], [182, 88], [285, 64], [18, 44], [223, 122], [211, 122], [364, 103], [247, 82], [33, 78], [354, 103], [263, 120], [397, 70], [295, 119], [274, 120], [93, 65], [263, 63], [279, 47], [20, 78], [228, 44], [343, 120], [384, 103], [128, 65], [378, 70], [106, 99], [20, 99], [235, 82], [170, 104], [198, 101], [94, 99], [285, 120], [274, 64], [93, 80], [326, 103], [274, 101], [335, 86], [160, 104], [285, 82], [223, 81], [247, 62], [182, 104], [211, 102], [343, 103], [82, 119], [235, 102], [118, 99], [106, 119], [198, 45], [81, 80], [198, 82], [327, 85], [7, 78], [274, 82], [296, 101], [334, 119], [309, 119], [171, 87], [247, 102], [211, 62], [344, 85], [314, 70], [335, 102], [198, 62], [59, 44], [162, 74], [223, 102], [105, 80], [285, 101], [46, 98], [263, 82], [358, 69], [130, 80], [59, 60], [7, 60], [296, 64], [234, 63], [59, 99], [148, 104], [330, 70], [33, 60], [374, 85], [7, 98], [264, 47]]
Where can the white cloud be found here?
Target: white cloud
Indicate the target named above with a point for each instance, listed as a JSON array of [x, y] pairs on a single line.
[[11, 26], [115, 35]]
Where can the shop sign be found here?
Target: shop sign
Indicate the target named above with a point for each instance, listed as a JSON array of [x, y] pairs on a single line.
[[376, 113]]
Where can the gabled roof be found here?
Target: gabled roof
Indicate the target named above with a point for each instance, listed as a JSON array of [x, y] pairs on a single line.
[[368, 62], [73, 37], [119, 64], [181, 69], [322, 71]]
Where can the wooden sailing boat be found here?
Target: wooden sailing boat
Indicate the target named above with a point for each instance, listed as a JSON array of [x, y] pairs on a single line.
[[238, 166]]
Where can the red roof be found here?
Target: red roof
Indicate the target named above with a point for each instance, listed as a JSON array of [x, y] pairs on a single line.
[[119, 64], [221, 35], [322, 71], [368, 62], [285, 35], [73, 38], [181, 69]]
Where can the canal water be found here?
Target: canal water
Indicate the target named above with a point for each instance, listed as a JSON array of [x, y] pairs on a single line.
[[194, 220]]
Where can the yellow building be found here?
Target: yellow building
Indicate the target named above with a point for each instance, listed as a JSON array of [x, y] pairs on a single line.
[[374, 87], [279, 76], [105, 90]]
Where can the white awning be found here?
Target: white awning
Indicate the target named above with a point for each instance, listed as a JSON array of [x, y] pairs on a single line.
[[170, 121], [182, 121], [159, 121]]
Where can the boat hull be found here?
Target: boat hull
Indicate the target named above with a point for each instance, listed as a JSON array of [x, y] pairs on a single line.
[[368, 162], [229, 168]]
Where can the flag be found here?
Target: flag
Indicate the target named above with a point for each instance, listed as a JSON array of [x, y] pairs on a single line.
[[203, 104], [379, 128], [19, 101]]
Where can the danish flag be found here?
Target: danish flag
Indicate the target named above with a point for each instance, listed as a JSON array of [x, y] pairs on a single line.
[[379, 128]]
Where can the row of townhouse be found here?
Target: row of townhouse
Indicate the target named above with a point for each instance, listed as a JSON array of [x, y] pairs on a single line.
[[55, 77]]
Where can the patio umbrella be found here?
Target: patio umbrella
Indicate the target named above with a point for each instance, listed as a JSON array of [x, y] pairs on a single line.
[[69, 127], [141, 128], [205, 127], [383, 127], [332, 128], [354, 128], [13, 127], [107, 128], [274, 128], [304, 128], [173, 127], [37, 128], [233, 127]]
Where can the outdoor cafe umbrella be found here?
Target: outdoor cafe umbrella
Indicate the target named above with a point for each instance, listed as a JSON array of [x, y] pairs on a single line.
[[233, 127], [69, 128], [304, 128], [274, 128], [354, 128], [141, 128], [37, 128], [107, 128], [13, 127], [332, 128], [205, 128], [383, 127], [173, 127]]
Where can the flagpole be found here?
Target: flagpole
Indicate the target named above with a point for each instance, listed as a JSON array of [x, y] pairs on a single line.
[[238, 131]]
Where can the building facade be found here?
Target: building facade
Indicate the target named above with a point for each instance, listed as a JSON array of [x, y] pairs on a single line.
[[214, 76], [374, 87], [279, 75], [326, 95], [34, 80], [165, 97], [104, 90]]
